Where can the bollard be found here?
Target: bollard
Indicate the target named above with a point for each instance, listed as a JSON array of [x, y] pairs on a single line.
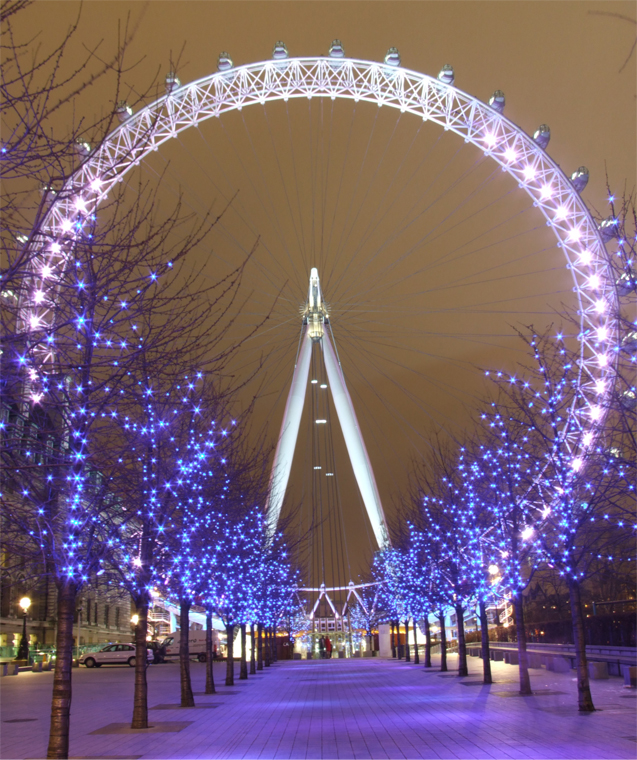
[[3, 669], [36, 667]]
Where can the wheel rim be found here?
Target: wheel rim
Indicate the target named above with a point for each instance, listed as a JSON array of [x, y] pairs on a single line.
[[410, 92]]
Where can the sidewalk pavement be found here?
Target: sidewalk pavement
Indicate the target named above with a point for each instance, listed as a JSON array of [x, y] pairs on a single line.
[[368, 708]]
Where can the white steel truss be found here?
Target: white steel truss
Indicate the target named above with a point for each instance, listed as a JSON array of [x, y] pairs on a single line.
[[352, 590]]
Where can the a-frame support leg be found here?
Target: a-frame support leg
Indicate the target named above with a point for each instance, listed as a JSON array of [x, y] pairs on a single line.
[[289, 433], [355, 444]]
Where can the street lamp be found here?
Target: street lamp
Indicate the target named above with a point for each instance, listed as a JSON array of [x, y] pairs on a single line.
[[23, 649]]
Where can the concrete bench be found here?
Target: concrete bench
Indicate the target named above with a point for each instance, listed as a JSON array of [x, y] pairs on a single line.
[[597, 671], [9, 669], [630, 676], [558, 664], [512, 657]]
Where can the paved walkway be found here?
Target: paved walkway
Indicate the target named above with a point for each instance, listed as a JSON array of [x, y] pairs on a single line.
[[326, 709]]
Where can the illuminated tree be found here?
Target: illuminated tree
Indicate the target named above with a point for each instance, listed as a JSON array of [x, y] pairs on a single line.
[[576, 507], [116, 317]]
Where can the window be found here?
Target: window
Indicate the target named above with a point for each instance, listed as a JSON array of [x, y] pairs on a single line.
[[88, 610], [50, 444], [106, 615], [95, 614], [117, 617]]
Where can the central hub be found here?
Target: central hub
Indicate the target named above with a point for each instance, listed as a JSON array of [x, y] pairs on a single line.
[[315, 314]]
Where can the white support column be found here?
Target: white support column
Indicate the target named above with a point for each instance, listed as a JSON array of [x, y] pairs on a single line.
[[289, 432], [355, 444]]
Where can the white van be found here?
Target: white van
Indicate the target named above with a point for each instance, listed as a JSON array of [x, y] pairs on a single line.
[[196, 643]]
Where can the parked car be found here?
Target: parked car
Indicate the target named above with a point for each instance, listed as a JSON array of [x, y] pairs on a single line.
[[113, 654]]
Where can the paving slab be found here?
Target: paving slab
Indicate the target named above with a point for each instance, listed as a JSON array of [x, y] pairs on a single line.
[[367, 708]]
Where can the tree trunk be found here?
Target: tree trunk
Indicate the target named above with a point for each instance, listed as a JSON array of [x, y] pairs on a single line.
[[400, 649], [443, 643], [62, 692], [584, 698], [243, 671], [393, 638], [463, 670], [275, 652], [140, 700], [187, 698], [266, 646], [525, 681], [210, 681], [407, 652], [416, 653], [259, 646], [484, 638], [230, 657], [427, 642], [253, 668]]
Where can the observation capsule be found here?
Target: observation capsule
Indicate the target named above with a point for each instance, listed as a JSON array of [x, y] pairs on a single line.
[[82, 147], [497, 101], [392, 57], [542, 135], [336, 50], [629, 343], [627, 283], [224, 63], [628, 399], [172, 82], [123, 111], [446, 75], [608, 229], [579, 178], [279, 52]]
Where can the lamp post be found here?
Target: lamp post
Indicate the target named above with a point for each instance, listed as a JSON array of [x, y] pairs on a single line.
[[23, 649]]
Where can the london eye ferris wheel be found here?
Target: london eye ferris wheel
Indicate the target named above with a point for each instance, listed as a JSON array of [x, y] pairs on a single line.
[[436, 226]]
